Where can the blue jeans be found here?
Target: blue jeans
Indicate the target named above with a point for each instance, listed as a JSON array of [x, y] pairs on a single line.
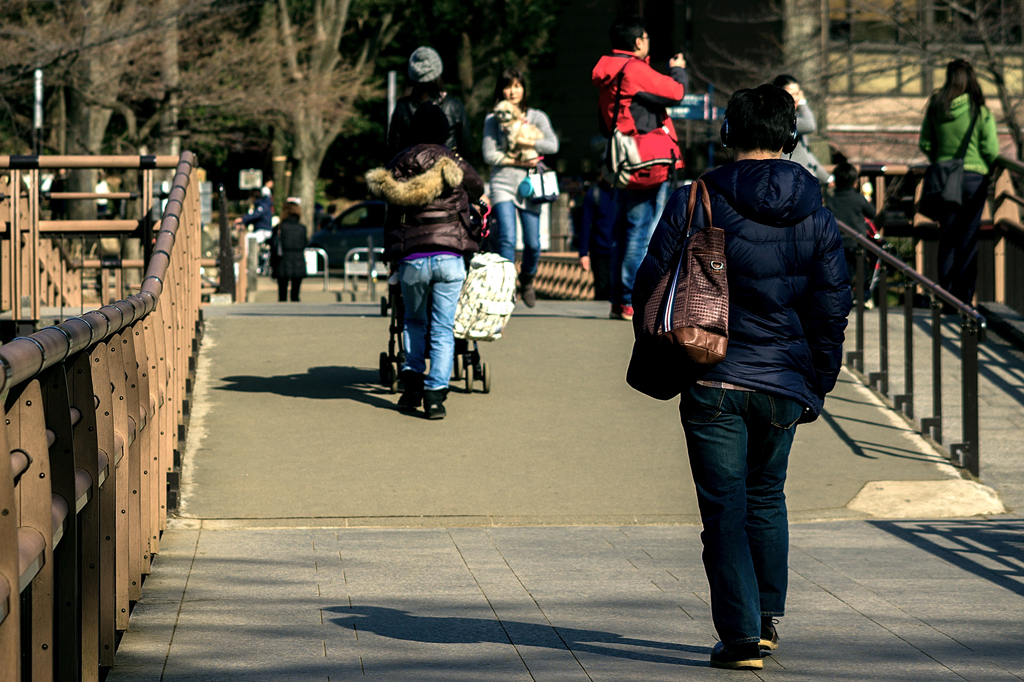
[[738, 444], [659, 208], [638, 210], [430, 290], [506, 212]]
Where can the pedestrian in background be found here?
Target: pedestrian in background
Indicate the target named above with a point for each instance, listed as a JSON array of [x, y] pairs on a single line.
[[849, 206], [594, 235], [639, 98], [805, 125], [261, 212], [288, 243], [947, 120], [425, 69], [508, 171], [789, 298], [427, 235]]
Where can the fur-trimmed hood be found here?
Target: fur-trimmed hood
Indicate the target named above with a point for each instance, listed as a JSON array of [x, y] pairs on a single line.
[[418, 190]]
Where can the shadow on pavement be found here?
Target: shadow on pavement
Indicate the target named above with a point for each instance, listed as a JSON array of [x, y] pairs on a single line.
[[863, 448], [990, 549], [318, 383], [1008, 361], [396, 624]]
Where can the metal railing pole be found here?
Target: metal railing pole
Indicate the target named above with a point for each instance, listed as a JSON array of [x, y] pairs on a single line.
[[880, 379], [933, 425], [967, 451], [905, 401], [856, 356]]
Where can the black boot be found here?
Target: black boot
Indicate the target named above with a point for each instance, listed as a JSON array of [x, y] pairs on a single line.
[[528, 293], [412, 396], [433, 403]]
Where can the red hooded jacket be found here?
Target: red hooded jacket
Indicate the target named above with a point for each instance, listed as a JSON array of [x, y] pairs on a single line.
[[645, 93]]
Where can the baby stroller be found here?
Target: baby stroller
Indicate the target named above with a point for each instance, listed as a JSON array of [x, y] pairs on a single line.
[[484, 306], [392, 359]]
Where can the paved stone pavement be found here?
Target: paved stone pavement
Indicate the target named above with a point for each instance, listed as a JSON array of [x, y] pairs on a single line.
[[546, 531], [869, 600]]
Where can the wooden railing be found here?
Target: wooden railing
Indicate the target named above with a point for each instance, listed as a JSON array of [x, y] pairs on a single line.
[[94, 410]]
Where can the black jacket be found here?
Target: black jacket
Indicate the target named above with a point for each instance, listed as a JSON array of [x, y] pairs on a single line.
[[850, 207], [789, 292], [401, 122], [289, 241]]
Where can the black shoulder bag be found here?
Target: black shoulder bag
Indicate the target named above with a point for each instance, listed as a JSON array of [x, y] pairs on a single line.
[[943, 188]]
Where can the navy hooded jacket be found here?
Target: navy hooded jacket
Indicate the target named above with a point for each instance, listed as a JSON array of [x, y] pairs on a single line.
[[789, 291]]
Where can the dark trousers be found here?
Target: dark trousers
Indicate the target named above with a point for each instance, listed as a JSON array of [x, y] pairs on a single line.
[[738, 443], [601, 266], [282, 288], [958, 240]]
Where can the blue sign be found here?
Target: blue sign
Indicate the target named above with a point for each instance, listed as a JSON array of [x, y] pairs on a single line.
[[695, 108]]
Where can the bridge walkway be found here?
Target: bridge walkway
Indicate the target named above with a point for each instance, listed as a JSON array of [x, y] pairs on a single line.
[[545, 531]]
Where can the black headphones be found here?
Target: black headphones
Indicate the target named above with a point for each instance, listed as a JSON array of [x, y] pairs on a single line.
[[787, 147]]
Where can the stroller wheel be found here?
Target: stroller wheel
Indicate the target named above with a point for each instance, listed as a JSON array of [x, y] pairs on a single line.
[[469, 377], [485, 372], [393, 377], [457, 367], [383, 306], [385, 370]]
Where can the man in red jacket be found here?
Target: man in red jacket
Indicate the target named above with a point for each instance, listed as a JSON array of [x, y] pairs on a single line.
[[642, 95]]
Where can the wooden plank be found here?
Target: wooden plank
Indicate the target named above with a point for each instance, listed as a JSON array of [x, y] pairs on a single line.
[[160, 370], [145, 348], [80, 382], [28, 433], [10, 611], [99, 361], [135, 521], [57, 411], [147, 516], [119, 410]]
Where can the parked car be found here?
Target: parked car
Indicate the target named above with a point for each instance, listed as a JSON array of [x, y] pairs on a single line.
[[350, 230]]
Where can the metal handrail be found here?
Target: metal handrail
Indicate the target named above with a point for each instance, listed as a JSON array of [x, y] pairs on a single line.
[[973, 329], [97, 404], [327, 269]]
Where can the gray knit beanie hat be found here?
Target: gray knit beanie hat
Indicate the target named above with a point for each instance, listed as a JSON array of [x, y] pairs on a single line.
[[425, 64]]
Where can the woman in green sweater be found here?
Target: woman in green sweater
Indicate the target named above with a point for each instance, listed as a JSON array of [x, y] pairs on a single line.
[[946, 124]]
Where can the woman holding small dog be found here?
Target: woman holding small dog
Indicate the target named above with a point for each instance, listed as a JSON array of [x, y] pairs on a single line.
[[514, 139]]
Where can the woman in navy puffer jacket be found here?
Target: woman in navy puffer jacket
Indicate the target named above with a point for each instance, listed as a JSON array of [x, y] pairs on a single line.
[[789, 293], [789, 297]]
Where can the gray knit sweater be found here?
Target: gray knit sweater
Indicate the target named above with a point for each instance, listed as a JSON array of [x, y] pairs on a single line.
[[505, 179]]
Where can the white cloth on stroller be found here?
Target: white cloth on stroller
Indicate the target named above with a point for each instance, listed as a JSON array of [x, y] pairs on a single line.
[[487, 299]]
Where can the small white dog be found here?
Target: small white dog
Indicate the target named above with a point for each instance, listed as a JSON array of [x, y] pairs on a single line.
[[518, 131]]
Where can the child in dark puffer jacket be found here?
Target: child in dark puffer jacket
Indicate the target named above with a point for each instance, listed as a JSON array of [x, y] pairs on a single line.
[[850, 207]]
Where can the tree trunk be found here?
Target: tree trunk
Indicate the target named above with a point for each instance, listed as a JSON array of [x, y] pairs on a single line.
[[57, 115], [279, 149], [801, 37], [306, 172], [169, 74], [87, 124]]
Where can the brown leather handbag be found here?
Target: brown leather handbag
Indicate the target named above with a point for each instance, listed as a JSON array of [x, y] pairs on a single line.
[[684, 330]]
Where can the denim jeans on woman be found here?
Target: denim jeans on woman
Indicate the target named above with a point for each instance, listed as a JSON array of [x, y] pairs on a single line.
[[738, 444], [506, 212], [639, 213], [430, 290]]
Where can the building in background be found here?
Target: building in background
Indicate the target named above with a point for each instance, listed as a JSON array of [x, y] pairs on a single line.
[[867, 66]]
